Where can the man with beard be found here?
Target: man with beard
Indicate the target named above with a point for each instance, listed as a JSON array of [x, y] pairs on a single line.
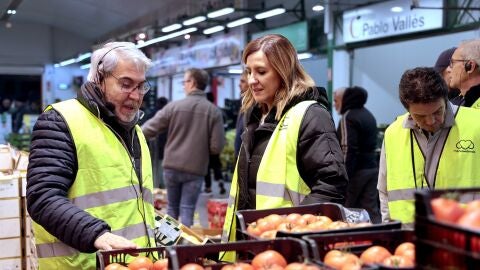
[[89, 176]]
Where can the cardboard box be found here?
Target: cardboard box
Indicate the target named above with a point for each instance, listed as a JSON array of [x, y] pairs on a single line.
[[9, 186], [22, 161], [11, 264], [10, 247], [23, 183], [9, 208], [10, 228], [28, 227]]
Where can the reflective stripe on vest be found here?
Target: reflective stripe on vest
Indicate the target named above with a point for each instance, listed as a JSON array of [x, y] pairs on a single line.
[[106, 186], [278, 181], [456, 168]]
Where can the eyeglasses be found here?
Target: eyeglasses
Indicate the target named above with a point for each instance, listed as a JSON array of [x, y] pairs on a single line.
[[456, 60], [127, 85]]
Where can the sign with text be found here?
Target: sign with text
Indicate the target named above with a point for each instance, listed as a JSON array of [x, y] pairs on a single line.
[[391, 18]]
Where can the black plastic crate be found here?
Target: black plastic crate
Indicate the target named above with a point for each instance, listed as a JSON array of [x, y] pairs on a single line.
[[357, 242], [120, 256], [294, 250], [453, 246], [332, 210]]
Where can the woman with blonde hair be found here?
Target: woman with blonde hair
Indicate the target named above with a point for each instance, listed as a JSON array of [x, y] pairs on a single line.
[[290, 153]]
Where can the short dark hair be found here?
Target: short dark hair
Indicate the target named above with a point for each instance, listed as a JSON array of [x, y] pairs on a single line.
[[200, 77], [421, 85]]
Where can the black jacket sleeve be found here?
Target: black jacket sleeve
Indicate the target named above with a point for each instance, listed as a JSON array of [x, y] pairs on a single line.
[[319, 158], [51, 172]]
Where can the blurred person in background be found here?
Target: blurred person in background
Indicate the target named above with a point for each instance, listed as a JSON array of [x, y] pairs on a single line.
[[243, 86], [465, 74], [337, 99], [357, 132], [441, 65], [195, 131], [89, 179], [290, 153], [431, 146]]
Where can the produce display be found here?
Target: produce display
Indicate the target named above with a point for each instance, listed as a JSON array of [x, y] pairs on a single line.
[[267, 227], [140, 263]]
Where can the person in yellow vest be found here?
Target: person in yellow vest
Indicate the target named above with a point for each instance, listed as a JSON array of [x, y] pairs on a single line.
[[89, 179], [290, 154], [464, 74], [433, 145]]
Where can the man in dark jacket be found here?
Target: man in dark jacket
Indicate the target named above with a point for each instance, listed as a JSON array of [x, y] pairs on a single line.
[[357, 132], [89, 180]]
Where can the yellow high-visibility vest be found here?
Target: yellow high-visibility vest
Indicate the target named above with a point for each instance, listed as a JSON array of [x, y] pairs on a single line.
[[106, 186], [457, 166], [279, 183]]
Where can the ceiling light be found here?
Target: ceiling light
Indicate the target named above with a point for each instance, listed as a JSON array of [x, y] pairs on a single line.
[[235, 70], [56, 65], [141, 35], [305, 55], [270, 13], [239, 22], [396, 9], [169, 36], [194, 20], [187, 36], [83, 56], [11, 11], [67, 62], [220, 12], [85, 66], [140, 41], [214, 29], [318, 8], [171, 27]]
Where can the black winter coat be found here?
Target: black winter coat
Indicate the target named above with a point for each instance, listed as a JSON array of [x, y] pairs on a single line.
[[319, 158], [52, 170]]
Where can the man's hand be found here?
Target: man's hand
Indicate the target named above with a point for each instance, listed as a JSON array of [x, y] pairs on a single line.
[[109, 241]]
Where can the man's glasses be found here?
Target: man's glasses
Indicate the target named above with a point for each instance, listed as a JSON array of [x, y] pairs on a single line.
[[456, 60], [128, 86]]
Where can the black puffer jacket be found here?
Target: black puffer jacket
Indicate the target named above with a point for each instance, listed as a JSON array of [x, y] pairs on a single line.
[[52, 169], [470, 97], [319, 158]]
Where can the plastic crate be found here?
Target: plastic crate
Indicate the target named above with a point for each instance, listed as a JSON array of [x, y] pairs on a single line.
[[332, 210], [120, 256], [294, 250], [452, 246]]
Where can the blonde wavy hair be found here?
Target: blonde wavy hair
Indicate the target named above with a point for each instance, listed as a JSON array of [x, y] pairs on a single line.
[[283, 57]]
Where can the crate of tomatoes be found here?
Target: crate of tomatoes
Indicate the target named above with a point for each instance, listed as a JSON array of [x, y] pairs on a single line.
[[259, 254], [134, 259], [302, 220], [364, 250], [447, 227]]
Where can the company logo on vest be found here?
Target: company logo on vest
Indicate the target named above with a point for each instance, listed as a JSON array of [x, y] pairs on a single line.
[[465, 146]]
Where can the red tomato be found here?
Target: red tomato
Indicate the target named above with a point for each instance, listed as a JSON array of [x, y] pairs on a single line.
[[268, 259], [473, 205], [375, 254], [270, 234], [115, 266], [238, 266], [446, 210], [274, 220], [253, 229], [338, 259], [161, 264], [285, 226], [293, 218], [192, 266], [140, 262], [403, 247]]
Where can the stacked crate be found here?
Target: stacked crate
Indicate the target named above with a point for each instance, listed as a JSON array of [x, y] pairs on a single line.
[[17, 245]]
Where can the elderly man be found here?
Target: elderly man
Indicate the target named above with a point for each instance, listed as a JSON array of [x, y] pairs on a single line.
[[465, 73], [90, 175], [432, 146]]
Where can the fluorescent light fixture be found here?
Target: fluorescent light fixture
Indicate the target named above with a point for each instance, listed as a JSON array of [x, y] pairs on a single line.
[[141, 41], [194, 20], [169, 36], [171, 27], [318, 8], [220, 12], [85, 66], [214, 29], [235, 70], [396, 9], [11, 11], [56, 65], [67, 62], [62, 86], [305, 55], [83, 56], [270, 13], [239, 22]]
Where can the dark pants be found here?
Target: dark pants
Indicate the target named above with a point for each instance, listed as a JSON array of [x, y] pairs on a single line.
[[362, 193], [215, 165]]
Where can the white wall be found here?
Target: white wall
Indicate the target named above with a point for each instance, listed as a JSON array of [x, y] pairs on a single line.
[[53, 77], [378, 69]]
